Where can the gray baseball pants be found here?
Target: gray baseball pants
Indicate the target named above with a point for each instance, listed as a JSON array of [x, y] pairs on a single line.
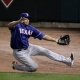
[[23, 56]]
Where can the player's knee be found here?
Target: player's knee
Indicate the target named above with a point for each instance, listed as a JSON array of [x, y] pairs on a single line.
[[34, 68]]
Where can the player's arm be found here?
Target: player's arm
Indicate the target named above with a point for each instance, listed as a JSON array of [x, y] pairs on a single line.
[[13, 23], [48, 38], [40, 36]]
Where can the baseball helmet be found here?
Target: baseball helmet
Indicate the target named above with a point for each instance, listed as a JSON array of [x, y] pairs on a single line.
[[25, 15]]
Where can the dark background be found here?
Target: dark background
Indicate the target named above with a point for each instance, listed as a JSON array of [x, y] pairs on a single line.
[[42, 10]]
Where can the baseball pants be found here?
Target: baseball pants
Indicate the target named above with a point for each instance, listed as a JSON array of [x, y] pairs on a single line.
[[24, 56]]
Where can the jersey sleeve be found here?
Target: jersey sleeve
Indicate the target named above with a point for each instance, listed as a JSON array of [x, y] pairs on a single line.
[[12, 28], [37, 34]]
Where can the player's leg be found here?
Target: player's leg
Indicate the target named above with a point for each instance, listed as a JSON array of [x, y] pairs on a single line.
[[38, 50], [24, 57]]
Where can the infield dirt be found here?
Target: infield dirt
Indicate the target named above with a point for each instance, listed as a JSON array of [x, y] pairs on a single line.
[[45, 64]]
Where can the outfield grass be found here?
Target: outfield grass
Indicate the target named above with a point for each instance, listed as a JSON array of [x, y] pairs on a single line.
[[38, 76]]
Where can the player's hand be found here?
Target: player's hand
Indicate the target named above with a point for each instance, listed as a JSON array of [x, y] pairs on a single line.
[[21, 19]]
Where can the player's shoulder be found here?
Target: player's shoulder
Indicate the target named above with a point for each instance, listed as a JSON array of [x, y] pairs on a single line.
[[18, 24]]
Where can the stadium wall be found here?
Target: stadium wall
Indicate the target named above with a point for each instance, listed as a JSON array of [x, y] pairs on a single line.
[[48, 24], [44, 13]]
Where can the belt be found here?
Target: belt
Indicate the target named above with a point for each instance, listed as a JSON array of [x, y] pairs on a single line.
[[22, 49]]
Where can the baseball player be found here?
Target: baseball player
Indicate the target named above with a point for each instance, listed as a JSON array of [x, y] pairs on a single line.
[[21, 31]]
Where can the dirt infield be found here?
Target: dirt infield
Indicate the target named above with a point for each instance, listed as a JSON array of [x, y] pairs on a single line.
[[45, 65]]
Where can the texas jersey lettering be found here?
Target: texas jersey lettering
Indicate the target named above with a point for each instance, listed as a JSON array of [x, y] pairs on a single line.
[[27, 32]]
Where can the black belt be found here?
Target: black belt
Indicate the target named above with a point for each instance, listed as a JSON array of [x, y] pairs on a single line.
[[22, 49]]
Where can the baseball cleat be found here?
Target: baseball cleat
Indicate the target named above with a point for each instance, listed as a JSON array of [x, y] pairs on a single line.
[[14, 64], [72, 58]]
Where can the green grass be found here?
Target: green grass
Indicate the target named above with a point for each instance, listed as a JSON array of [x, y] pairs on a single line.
[[38, 76]]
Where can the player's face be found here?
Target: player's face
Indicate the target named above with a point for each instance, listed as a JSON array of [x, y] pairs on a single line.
[[26, 21]]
